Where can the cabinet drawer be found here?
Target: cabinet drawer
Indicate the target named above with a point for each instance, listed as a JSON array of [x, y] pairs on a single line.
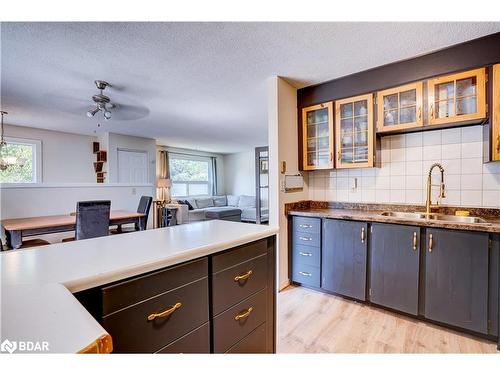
[[133, 331], [238, 255], [306, 239], [228, 330], [305, 274], [129, 292], [306, 255], [239, 282], [197, 341], [255, 342], [306, 224]]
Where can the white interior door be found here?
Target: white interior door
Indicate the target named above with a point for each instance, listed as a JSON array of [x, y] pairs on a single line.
[[132, 167]]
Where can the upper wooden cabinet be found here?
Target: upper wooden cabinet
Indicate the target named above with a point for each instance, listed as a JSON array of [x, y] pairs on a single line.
[[400, 108], [317, 136], [354, 132], [495, 105], [457, 97]]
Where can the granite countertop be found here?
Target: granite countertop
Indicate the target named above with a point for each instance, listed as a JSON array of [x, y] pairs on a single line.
[[372, 213], [37, 303]]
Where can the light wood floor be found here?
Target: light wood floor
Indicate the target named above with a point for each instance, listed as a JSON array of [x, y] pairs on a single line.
[[315, 322]]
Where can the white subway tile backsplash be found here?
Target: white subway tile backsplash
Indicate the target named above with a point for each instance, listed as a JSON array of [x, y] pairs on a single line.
[[472, 150], [473, 165], [406, 160], [431, 153], [431, 138], [451, 151], [414, 168], [472, 134], [413, 140], [413, 154], [450, 136], [471, 198]]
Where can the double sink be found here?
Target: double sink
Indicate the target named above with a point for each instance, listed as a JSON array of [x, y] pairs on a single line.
[[435, 216]]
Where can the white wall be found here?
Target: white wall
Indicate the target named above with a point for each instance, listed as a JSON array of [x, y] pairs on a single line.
[[66, 157], [403, 174], [240, 173], [283, 146]]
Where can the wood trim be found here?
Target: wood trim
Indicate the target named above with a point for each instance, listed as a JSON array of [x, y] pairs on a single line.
[[418, 87], [371, 143], [496, 114], [102, 345], [329, 106], [480, 75]]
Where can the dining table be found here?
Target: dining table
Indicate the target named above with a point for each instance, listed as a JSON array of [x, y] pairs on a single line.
[[16, 229]]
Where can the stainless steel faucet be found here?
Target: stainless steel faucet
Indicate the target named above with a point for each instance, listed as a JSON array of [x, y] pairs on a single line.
[[428, 202]]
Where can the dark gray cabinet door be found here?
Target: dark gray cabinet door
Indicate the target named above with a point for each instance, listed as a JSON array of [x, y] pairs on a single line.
[[343, 262], [394, 266], [456, 278]]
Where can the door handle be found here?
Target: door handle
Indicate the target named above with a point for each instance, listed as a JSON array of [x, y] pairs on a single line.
[[305, 238], [305, 274], [432, 110], [498, 143], [245, 276], [305, 254], [363, 235], [165, 313], [244, 315], [419, 113], [430, 243], [414, 240], [305, 226]]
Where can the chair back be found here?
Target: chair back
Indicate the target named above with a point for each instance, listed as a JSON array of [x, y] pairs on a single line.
[[143, 208], [92, 219]]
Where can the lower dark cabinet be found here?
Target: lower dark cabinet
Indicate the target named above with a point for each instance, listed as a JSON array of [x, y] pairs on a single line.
[[394, 266], [343, 261], [195, 342], [456, 278]]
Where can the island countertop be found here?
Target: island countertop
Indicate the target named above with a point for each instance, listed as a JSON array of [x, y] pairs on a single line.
[[36, 298]]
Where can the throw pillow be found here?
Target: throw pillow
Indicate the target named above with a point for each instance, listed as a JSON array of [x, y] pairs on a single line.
[[186, 202], [192, 202], [220, 201], [232, 200], [204, 202]]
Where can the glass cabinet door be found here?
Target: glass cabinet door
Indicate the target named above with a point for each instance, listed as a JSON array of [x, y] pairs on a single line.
[[317, 134], [354, 132], [457, 97], [399, 108]]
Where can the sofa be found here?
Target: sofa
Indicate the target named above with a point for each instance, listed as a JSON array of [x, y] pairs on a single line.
[[200, 205]]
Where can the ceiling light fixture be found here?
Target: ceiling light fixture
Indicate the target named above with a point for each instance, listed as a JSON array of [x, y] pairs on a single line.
[[7, 161], [102, 102]]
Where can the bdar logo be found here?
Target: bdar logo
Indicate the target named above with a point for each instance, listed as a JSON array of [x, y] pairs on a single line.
[[8, 346]]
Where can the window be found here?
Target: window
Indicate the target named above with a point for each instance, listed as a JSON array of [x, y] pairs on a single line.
[[190, 175], [27, 150]]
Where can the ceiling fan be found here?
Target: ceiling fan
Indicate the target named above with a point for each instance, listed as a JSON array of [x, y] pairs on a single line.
[[102, 102]]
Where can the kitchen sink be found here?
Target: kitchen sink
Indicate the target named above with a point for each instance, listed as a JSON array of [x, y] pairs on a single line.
[[433, 216]]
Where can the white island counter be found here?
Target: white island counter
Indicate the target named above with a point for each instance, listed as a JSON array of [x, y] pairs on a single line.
[[36, 297]]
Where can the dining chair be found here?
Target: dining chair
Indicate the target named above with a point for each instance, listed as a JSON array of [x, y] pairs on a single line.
[[92, 220], [143, 208], [28, 243]]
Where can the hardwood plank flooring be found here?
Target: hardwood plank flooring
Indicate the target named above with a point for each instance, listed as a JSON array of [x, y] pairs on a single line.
[[315, 322]]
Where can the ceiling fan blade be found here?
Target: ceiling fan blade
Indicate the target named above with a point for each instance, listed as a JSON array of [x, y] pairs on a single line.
[[127, 112]]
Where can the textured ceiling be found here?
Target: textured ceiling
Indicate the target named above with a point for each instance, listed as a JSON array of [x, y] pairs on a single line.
[[202, 85]]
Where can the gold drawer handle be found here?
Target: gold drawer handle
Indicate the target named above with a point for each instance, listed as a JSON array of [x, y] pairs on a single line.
[[362, 235], [244, 315], [430, 243], [305, 226], [305, 254], [244, 276], [498, 143], [305, 238], [165, 313], [415, 241], [305, 274]]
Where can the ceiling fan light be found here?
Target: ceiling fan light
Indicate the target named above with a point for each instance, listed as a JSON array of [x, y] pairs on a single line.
[[107, 115], [92, 112]]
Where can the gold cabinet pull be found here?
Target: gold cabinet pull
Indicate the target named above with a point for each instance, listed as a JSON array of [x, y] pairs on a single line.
[[415, 241], [331, 156], [165, 313], [432, 110], [305, 226], [244, 315], [363, 235], [305, 238], [498, 143], [339, 155], [419, 113], [305, 254], [430, 243], [245, 276], [305, 274]]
